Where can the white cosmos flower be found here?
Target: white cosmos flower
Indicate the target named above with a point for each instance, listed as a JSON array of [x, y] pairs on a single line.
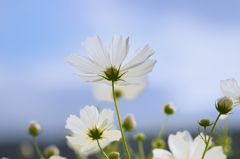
[[103, 92], [90, 127], [113, 64], [230, 89], [183, 146]]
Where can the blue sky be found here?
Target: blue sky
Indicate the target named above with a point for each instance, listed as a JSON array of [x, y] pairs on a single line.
[[196, 45]]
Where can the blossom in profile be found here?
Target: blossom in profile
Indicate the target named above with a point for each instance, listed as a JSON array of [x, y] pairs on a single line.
[[182, 146], [103, 92], [90, 127], [112, 65], [230, 89]]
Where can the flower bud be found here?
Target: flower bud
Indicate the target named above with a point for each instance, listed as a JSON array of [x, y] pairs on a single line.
[[169, 109], [129, 122], [158, 143], [33, 128], [224, 105], [114, 155], [205, 123], [140, 137], [51, 150]]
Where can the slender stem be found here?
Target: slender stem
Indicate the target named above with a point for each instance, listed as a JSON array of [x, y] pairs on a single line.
[[141, 151], [209, 138], [119, 121], [205, 134], [37, 148], [160, 135], [102, 150]]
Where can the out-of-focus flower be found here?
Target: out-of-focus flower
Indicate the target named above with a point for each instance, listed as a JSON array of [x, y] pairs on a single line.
[[57, 157], [183, 146], [230, 89], [33, 128], [51, 150], [90, 127], [103, 92], [158, 143], [168, 109], [140, 137], [26, 150], [107, 65], [129, 122]]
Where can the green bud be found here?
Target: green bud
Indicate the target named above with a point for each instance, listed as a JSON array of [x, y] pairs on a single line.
[[114, 155], [33, 128], [129, 123], [51, 150], [140, 137], [158, 143], [224, 105], [169, 109], [205, 123]]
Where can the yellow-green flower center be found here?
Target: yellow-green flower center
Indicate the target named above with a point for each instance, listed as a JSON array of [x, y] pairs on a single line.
[[95, 133], [112, 73]]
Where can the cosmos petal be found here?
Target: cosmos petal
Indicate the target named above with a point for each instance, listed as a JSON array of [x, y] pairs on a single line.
[[98, 51], [89, 116], [84, 64], [105, 119], [75, 124], [141, 70], [137, 57], [179, 144], [113, 135], [230, 88], [162, 154], [118, 50], [215, 153]]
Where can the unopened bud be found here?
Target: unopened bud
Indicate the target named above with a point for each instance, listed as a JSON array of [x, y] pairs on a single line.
[[33, 128], [114, 155], [169, 109], [224, 105], [129, 123], [158, 143], [140, 137], [205, 123], [51, 150]]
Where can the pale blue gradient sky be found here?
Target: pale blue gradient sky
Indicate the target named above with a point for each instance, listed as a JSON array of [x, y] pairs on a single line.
[[196, 45]]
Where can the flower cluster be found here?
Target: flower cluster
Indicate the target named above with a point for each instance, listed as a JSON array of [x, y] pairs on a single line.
[[93, 131]]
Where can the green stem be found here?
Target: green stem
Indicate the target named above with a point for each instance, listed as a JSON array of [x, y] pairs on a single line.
[[209, 138], [160, 135], [141, 151], [37, 148], [205, 134], [119, 121], [102, 150]]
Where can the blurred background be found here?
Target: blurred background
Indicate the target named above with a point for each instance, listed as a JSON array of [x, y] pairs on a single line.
[[196, 45]]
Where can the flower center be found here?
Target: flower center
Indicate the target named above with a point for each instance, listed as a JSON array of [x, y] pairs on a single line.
[[95, 133], [118, 94], [112, 73]]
